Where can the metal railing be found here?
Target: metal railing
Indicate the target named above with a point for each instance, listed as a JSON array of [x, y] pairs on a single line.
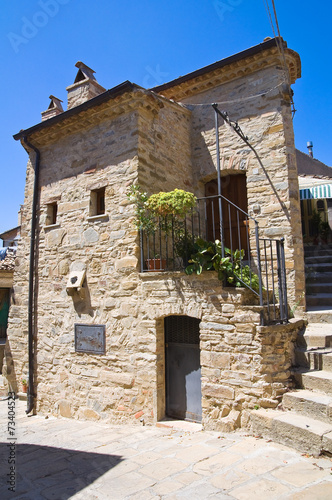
[[258, 263]]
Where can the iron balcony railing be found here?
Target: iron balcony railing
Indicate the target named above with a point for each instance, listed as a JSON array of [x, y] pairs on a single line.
[[260, 267]]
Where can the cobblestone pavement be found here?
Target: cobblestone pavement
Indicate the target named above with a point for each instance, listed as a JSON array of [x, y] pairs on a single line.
[[62, 458]]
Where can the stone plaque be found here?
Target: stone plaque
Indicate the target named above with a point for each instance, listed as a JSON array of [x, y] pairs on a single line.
[[90, 338]]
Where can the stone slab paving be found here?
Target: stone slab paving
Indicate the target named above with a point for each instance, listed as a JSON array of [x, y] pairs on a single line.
[[64, 459]]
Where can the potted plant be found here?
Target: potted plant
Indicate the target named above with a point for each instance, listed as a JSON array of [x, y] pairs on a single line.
[[165, 211], [172, 207], [176, 203], [155, 263], [24, 385]]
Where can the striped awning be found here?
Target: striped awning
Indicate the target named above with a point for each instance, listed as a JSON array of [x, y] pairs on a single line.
[[316, 192]]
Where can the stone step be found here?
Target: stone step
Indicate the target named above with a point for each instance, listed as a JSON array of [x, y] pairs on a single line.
[[319, 299], [318, 268], [313, 277], [319, 314], [316, 335], [311, 404], [314, 359], [298, 431], [313, 288], [317, 250], [315, 380], [318, 259]]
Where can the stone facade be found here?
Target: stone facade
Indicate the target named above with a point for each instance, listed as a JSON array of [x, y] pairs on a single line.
[[162, 139]]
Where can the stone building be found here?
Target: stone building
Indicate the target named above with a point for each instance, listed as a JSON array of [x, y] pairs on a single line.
[[315, 195], [7, 263], [98, 335]]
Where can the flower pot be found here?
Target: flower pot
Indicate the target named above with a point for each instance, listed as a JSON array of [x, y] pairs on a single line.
[[24, 388], [156, 264]]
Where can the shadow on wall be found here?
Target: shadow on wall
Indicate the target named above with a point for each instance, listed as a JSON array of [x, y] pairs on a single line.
[[82, 304]]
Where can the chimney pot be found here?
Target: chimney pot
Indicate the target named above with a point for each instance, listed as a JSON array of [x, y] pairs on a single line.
[[54, 108], [85, 86]]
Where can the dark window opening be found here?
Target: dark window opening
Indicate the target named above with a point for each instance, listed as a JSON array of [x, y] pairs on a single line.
[[97, 202], [4, 311], [52, 212]]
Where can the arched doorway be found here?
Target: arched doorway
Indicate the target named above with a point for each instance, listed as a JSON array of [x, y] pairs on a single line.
[[183, 370]]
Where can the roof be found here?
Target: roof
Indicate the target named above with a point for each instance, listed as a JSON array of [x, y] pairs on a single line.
[[95, 101], [256, 49], [7, 233], [306, 165], [128, 86]]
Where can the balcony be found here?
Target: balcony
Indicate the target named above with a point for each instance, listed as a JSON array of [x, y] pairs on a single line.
[[218, 235]]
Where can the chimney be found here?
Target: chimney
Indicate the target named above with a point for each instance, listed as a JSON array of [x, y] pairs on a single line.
[[310, 146], [85, 86], [55, 108]]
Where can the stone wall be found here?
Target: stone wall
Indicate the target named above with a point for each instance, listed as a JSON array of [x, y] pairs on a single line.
[[165, 148]]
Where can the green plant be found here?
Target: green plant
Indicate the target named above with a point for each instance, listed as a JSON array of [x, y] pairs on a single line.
[[324, 231], [184, 243], [24, 381], [177, 202], [149, 209], [320, 228], [145, 220], [208, 256], [316, 221]]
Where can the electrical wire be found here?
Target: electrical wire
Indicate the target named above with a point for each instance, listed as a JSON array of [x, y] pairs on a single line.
[[280, 48], [234, 101]]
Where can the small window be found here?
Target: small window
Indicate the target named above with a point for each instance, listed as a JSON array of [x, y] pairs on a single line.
[[51, 214], [97, 202]]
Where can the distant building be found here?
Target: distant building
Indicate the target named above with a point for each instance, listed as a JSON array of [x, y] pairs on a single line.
[[315, 183], [7, 262]]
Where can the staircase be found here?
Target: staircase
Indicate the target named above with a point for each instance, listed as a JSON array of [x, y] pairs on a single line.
[[318, 269], [304, 418]]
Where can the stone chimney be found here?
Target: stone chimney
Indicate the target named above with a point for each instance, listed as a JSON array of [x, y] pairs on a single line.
[[55, 108], [85, 86]]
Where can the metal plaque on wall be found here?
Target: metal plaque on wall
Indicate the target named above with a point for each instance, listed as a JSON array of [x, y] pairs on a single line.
[[90, 338]]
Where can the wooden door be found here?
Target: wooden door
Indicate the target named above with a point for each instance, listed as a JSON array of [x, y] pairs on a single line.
[[235, 223]]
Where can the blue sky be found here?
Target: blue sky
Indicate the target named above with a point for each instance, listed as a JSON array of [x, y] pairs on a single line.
[[148, 43]]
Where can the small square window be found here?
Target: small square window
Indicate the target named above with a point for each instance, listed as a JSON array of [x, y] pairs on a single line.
[[51, 214], [97, 202]]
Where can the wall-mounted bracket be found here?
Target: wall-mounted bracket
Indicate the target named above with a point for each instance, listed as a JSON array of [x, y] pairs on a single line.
[[75, 283]]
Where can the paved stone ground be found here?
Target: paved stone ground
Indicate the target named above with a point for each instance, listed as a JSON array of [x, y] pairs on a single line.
[[61, 459]]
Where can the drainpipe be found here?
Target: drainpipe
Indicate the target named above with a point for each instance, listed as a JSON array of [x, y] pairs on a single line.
[[31, 394]]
